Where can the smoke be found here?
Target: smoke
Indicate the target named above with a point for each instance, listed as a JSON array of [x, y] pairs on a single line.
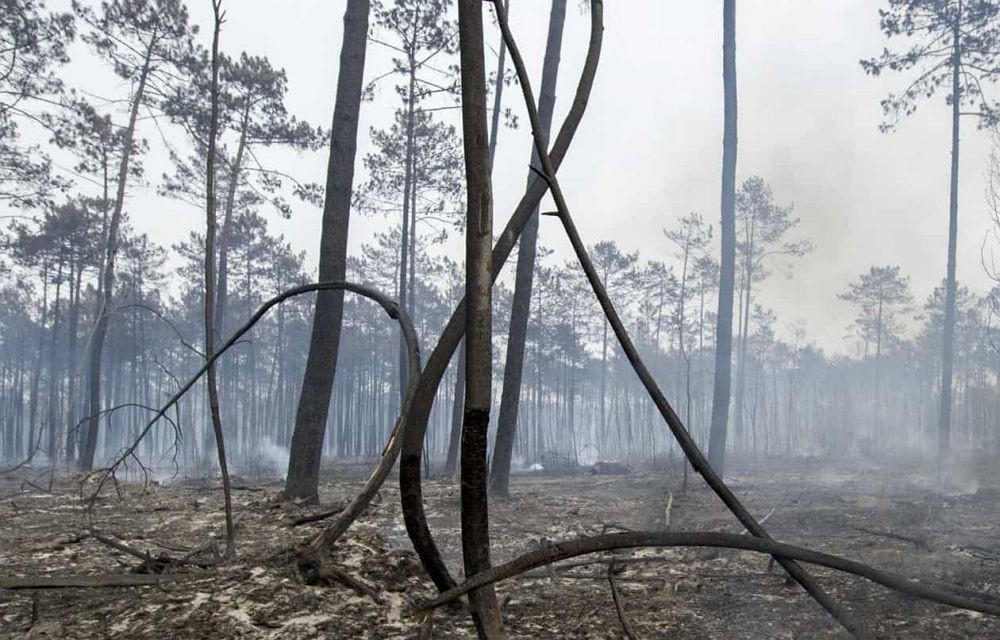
[[269, 458], [959, 480]]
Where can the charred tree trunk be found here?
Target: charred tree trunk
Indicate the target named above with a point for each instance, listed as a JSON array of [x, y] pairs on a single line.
[[727, 271], [458, 406], [478, 322], [213, 389], [317, 384]]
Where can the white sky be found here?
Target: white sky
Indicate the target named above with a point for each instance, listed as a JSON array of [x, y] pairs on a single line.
[[649, 150]]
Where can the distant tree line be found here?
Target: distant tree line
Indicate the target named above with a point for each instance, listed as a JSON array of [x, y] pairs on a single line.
[[99, 327]]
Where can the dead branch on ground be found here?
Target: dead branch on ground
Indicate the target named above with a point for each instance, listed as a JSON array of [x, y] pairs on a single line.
[[617, 598], [919, 542], [86, 582]]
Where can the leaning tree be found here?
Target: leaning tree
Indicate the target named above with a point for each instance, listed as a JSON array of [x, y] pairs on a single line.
[[141, 40]]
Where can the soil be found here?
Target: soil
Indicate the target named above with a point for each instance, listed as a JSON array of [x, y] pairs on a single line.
[[900, 517]]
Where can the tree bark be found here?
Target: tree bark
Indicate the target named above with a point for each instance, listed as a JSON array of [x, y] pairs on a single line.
[[517, 335], [479, 318], [317, 384], [948, 340], [727, 271]]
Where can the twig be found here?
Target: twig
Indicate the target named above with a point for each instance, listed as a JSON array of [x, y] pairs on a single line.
[[31, 456], [121, 546]]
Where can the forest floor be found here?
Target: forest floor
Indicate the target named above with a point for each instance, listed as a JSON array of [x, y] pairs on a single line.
[[899, 519]]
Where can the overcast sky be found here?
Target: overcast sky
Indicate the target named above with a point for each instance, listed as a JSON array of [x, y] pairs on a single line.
[[649, 150]]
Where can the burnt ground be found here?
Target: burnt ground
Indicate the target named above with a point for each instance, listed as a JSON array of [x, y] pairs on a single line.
[[949, 531]]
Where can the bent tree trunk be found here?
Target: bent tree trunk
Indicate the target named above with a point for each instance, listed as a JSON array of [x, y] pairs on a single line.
[[317, 384], [524, 280], [727, 270], [89, 448], [479, 319]]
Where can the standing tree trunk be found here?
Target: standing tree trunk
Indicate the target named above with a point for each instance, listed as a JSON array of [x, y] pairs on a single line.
[[479, 316], [213, 389], [108, 276], [948, 340], [317, 383], [222, 290], [727, 271], [408, 230], [72, 368], [514, 365], [458, 406], [457, 411], [741, 358], [498, 94]]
